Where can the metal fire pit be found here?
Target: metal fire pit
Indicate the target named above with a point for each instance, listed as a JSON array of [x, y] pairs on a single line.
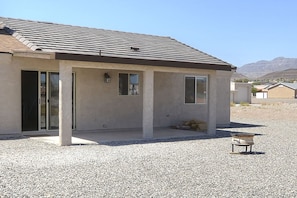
[[242, 139]]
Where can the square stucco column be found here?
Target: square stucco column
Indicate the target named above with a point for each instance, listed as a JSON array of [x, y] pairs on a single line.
[[212, 104], [148, 104], [65, 104]]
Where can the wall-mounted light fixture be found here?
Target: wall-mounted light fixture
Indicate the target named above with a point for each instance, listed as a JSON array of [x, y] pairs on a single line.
[[107, 78]]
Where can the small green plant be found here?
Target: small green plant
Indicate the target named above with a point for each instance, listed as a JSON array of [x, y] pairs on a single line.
[[244, 104], [232, 104], [254, 91]]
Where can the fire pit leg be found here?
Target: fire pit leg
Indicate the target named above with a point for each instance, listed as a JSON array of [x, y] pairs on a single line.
[[250, 148], [232, 148]]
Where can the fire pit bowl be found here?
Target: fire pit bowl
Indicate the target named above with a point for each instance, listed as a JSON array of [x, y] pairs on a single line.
[[242, 139]]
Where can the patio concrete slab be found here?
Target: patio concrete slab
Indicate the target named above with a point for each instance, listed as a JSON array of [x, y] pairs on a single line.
[[103, 137]]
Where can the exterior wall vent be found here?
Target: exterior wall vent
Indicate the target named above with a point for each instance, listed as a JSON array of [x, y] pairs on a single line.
[[136, 49]]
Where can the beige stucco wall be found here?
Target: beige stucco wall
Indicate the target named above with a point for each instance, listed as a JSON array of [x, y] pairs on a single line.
[[169, 106], [281, 92], [10, 100], [10, 88], [223, 97], [241, 92], [98, 104]]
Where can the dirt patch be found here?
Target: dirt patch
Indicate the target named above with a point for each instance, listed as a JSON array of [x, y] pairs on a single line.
[[279, 110]]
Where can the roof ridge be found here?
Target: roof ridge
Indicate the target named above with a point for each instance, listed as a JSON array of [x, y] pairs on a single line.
[[79, 26]]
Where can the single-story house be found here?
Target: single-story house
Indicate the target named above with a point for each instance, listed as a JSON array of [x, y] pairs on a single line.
[[261, 91], [283, 90], [240, 92], [56, 77]]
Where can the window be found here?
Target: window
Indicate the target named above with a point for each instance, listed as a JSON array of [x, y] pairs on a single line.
[[128, 84], [196, 89]]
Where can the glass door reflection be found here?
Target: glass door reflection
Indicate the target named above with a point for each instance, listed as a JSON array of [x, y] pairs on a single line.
[[53, 101], [49, 100], [43, 99]]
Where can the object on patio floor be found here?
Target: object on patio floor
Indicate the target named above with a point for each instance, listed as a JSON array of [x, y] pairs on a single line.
[[242, 139], [195, 125]]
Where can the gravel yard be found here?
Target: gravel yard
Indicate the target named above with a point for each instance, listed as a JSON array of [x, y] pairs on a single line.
[[192, 168]]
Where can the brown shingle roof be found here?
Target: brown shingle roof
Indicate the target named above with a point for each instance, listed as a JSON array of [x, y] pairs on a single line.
[[50, 37]]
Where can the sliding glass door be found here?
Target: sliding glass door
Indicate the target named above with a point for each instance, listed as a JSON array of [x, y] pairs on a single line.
[[40, 106], [29, 101]]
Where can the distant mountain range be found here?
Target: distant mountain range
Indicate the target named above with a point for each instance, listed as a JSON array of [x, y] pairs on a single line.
[[277, 68], [287, 75]]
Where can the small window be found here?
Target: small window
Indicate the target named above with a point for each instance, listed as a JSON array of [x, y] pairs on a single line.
[[128, 84], [196, 89]]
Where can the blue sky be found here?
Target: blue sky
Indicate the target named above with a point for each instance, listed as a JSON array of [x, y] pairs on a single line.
[[236, 31]]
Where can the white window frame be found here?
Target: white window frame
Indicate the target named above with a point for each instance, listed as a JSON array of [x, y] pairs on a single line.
[[196, 78], [129, 93]]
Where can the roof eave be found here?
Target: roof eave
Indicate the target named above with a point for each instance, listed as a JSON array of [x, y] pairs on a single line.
[[33, 54], [135, 61]]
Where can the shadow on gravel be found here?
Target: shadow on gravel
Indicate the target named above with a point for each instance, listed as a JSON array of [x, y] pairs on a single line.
[[12, 137], [249, 153], [243, 125], [219, 134], [126, 143], [234, 125]]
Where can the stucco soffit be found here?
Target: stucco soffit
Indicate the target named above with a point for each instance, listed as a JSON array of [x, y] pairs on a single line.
[[33, 54]]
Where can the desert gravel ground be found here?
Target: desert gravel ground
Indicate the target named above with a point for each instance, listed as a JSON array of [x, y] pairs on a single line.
[[200, 167]]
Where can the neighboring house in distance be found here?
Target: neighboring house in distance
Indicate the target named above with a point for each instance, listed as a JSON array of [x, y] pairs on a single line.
[[240, 92], [283, 90], [261, 91], [262, 94], [61, 77]]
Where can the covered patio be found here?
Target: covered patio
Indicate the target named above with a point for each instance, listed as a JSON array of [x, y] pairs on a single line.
[[147, 131], [123, 136]]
